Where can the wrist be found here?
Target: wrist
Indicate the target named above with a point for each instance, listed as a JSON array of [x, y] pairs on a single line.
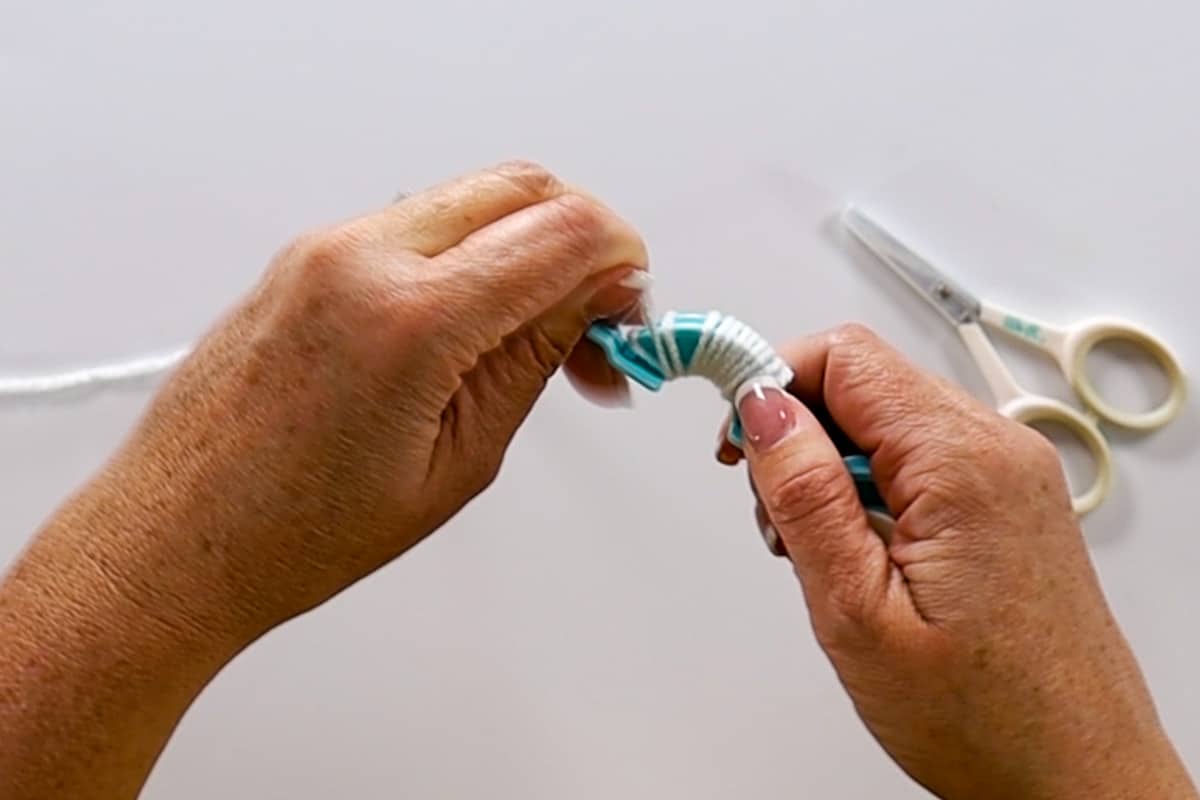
[[1149, 768], [101, 659], [119, 563], [1135, 762]]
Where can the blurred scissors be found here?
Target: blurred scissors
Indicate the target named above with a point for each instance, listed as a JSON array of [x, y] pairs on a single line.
[[1068, 346]]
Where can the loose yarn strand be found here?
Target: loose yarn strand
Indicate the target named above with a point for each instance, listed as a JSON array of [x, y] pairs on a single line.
[[94, 377], [728, 353]]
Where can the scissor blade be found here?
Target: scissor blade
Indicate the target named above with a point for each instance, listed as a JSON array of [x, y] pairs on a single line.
[[952, 301]]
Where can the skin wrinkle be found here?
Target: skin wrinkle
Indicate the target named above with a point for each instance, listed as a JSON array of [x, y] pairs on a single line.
[[984, 658], [364, 392], [589, 233]]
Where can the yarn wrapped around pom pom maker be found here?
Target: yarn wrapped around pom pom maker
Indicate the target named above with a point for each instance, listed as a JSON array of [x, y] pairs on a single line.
[[723, 350]]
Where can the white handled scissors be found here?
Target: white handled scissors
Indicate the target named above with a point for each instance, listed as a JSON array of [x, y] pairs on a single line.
[[1068, 346]]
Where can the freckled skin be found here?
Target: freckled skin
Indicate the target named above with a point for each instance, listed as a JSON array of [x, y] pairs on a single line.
[[366, 390], [359, 396], [975, 642]]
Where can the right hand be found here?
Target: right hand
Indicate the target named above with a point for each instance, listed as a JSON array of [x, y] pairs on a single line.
[[976, 643]]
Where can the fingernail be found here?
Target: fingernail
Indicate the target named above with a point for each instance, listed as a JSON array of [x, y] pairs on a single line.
[[639, 279], [771, 539], [727, 453], [623, 295], [767, 413]]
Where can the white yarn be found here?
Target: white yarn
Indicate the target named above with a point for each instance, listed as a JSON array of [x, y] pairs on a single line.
[[729, 353], [100, 375]]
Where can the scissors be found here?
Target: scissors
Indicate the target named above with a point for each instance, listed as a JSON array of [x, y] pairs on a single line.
[[1068, 346]]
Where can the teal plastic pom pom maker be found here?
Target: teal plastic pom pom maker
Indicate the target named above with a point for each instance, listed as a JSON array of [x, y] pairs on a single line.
[[720, 348]]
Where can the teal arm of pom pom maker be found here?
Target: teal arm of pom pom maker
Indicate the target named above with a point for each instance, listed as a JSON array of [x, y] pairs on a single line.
[[635, 354], [622, 355]]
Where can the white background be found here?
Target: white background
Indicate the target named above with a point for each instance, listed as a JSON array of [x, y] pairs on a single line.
[[604, 622]]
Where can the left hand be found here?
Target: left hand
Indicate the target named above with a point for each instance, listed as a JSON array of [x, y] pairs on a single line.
[[370, 385], [350, 405]]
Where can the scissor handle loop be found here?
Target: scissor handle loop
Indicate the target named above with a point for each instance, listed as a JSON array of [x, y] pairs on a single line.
[[1029, 409], [1079, 340]]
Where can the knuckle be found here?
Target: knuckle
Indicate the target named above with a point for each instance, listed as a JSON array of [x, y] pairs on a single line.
[[853, 374], [581, 221], [329, 280], [859, 361], [858, 335], [408, 310], [1037, 451], [530, 177], [325, 256], [806, 491], [1040, 448]]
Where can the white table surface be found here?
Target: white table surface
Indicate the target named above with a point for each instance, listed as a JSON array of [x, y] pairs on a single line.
[[604, 622]]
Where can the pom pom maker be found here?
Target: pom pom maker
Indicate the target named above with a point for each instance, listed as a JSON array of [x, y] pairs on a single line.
[[725, 351]]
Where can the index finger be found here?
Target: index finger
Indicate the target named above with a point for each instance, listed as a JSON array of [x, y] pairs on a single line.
[[885, 404], [871, 391], [435, 219], [565, 250]]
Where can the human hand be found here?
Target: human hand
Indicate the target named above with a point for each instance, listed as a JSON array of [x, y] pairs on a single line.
[[975, 643], [363, 393], [359, 397]]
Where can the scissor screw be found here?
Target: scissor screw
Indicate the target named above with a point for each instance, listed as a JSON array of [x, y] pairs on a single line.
[[943, 291]]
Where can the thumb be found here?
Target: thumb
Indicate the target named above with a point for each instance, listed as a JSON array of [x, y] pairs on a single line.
[[811, 501], [497, 390]]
